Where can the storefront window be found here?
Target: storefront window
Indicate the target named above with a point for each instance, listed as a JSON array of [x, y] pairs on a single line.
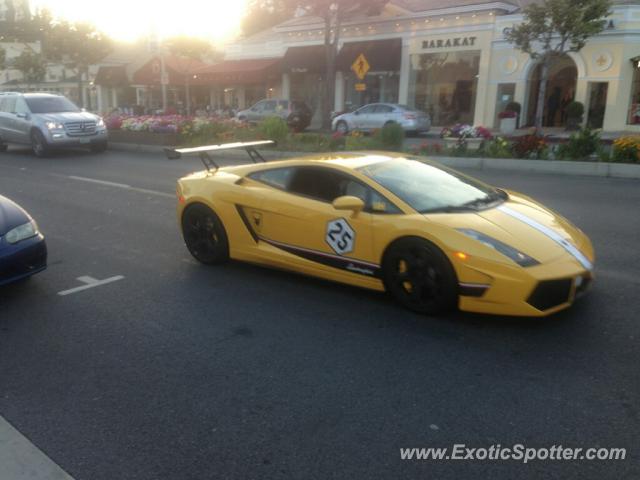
[[444, 85], [379, 87], [506, 93], [634, 107]]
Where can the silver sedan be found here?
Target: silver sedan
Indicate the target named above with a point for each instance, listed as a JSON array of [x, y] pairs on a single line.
[[377, 115]]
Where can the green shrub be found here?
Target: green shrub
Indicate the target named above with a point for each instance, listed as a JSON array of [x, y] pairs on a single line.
[[575, 110], [530, 146], [274, 128], [390, 137], [360, 142], [307, 142], [497, 147], [626, 149], [580, 145]]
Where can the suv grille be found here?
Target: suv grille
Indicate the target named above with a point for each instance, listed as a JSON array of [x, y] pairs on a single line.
[[77, 129], [550, 293]]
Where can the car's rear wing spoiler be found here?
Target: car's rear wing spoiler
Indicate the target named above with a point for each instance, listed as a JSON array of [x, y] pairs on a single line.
[[205, 152]]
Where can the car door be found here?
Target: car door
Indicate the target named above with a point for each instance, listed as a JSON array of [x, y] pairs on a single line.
[[253, 114], [361, 117], [8, 116], [22, 121], [300, 221], [269, 109], [380, 115]]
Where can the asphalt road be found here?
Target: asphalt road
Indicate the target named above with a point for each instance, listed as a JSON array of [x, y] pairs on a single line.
[[180, 371]]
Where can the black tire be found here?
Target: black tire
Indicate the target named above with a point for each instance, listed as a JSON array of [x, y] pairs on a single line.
[[99, 147], [420, 277], [204, 235], [39, 144], [342, 127]]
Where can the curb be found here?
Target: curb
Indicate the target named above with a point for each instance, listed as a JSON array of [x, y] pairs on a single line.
[[556, 167]]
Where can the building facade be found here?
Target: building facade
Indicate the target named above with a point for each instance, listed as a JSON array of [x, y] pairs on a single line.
[[446, 58]]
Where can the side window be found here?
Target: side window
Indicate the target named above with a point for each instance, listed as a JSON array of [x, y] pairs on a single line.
[[383, 109], [367, 109], [21, 106], [10, 105], [277, 177], [379, 204], [319, 183], [283, 105], [269, 106], [258, 107]]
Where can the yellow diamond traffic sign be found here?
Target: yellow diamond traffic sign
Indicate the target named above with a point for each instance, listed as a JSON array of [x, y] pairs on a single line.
[[360, 66]]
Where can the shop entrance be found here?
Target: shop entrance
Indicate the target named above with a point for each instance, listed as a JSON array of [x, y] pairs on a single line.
[[561, 88]]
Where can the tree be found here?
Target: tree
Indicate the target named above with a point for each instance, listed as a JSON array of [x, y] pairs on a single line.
[[554, 28], [333, 13], [190, 47], [263, 14], [32, 66], [76, 46]]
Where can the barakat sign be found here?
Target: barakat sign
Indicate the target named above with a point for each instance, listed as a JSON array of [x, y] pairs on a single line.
[[450, 42]]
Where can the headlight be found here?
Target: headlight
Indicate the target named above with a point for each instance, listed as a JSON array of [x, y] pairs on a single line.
[[100, 123], [517, 256], [22, 232], [54, 126]]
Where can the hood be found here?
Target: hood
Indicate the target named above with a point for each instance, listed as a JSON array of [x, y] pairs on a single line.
[[64, 117], [511, 223], [11, 215]]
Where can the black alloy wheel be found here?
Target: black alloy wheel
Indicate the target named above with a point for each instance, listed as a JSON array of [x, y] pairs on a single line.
[[204, 235], [420, 277]]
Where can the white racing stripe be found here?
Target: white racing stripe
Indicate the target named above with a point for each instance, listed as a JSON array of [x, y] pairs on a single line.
[[552, 234], [22, 460]]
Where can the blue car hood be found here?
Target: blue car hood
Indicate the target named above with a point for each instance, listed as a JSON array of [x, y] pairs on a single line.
[[11, 215]]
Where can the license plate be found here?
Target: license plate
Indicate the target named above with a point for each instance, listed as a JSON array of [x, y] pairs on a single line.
[[85, 140]]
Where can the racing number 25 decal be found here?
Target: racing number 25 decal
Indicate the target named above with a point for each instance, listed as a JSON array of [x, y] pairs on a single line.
[[340, 236]]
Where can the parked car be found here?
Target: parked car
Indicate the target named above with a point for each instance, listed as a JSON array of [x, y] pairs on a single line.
[[296, 113], [23, 251], [46, 121], [376, 115]]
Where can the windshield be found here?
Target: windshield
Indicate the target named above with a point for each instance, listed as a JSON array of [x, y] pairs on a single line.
[[429, 189], [50, 105]]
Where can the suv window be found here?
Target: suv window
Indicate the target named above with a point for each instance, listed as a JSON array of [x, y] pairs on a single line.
[[21, 106], [269, 106], [258, 106], [53, 104], [9, 104]]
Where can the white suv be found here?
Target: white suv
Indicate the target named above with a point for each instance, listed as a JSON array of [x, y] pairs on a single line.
[[47, 121]]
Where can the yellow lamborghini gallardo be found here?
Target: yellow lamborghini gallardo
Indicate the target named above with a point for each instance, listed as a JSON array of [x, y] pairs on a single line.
[[430, 236]]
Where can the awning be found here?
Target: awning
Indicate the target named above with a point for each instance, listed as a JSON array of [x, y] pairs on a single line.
[[179, 70], [111, 76], [382, 55], [241, 72], [311, 58]]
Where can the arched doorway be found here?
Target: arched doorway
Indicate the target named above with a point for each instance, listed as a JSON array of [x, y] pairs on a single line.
[[561, 89]]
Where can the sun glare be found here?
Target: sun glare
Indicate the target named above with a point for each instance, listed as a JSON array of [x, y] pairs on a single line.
[[128, 20]]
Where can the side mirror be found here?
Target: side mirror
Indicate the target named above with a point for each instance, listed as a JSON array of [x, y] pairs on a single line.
[[23, 115], [348, 202]]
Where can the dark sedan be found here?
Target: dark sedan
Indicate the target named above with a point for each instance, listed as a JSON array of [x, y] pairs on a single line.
[[23, 251]]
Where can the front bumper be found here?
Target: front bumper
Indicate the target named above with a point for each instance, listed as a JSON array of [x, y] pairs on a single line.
[[23, 259], [511, 290], [62, 139]]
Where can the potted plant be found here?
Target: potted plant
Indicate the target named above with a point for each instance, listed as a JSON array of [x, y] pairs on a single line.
[[465, 136], [575, 112], [508, 122], [514, 107]]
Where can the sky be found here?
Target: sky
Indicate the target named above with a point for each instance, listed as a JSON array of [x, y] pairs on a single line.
[[127, 20]]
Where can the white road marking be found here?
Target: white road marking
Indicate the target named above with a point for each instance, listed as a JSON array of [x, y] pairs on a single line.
[[121, 185], [22, 460], [90, 282]]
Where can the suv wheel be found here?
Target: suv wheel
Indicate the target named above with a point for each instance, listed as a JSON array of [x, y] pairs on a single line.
[[39, 144]]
